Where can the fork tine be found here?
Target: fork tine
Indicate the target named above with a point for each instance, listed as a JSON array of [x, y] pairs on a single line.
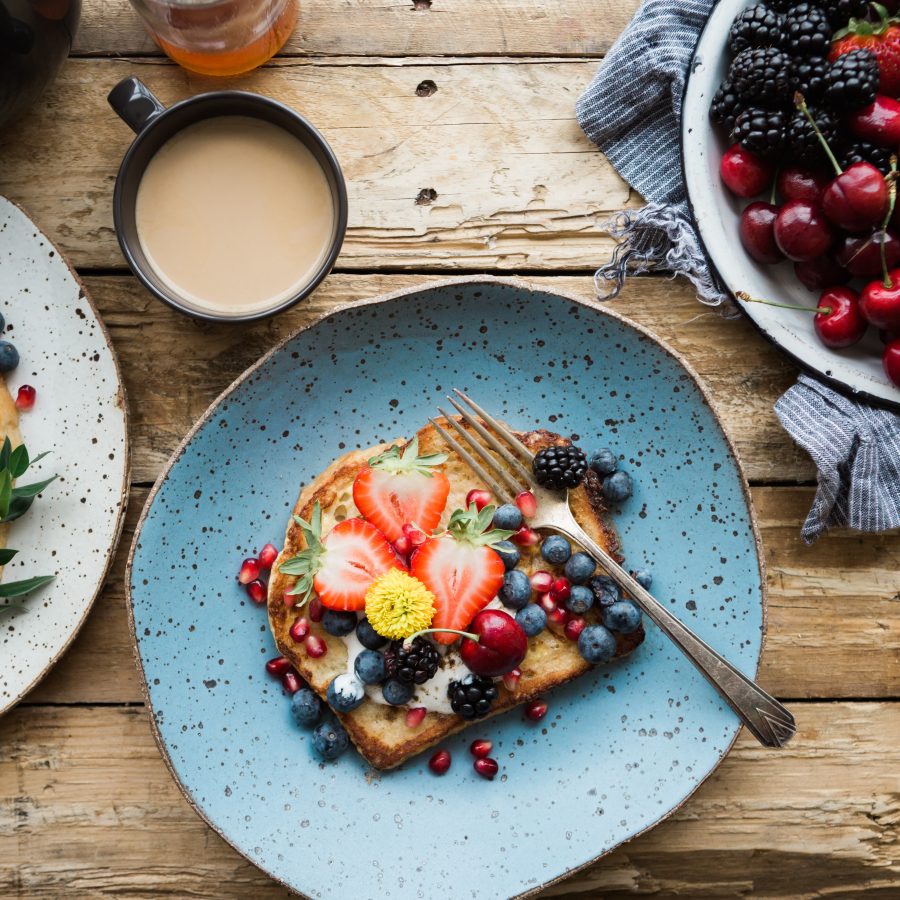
[[502, 430], [523, 472], [486, 457], [473, 463]]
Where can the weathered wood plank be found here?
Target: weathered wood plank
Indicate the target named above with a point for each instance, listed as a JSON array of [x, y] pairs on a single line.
[[517, 183], [88, 810], [401, 28]]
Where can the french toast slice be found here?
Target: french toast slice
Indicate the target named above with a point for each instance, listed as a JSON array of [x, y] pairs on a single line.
[[380, 732]]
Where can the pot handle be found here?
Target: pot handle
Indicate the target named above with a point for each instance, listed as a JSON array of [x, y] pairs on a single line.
[[135, 103]]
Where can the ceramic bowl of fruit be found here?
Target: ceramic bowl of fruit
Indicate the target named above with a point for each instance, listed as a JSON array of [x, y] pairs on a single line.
[[790, 126]]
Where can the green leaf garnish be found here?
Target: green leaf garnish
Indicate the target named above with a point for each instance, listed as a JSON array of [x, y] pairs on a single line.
[[6, 555], [398, 462], [26, 586]]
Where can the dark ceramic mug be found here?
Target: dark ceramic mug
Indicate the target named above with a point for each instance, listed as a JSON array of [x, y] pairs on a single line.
[[154, 124]]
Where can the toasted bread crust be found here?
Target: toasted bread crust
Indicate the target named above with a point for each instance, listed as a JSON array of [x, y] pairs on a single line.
[[380, 732]]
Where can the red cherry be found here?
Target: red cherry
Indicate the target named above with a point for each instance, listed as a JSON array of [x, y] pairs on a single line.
[[795, 183], [857, 198], [880, 305], [757, 232], [801, 231], [501, 644], [440, 762], [820, 273], [842, 324], [860, 254], [744, 173], [891, 362], [878, 123]]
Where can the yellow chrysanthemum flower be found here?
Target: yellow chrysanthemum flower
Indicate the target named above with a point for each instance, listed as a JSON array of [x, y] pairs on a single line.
[[398, 605]]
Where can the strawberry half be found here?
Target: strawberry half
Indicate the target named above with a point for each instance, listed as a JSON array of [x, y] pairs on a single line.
[[340, 568], [460, 569], [400, 488]]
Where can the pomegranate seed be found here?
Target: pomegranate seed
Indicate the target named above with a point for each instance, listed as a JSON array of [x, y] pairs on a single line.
[[291, 682], [527, 504], [403, 546], [315, 646], [440, 762], [415, 536], [560, 589], [414, 716], [541, 582], [548, 604], [267, 556], [249, 570], [525, 537], [316, 610], [300, 629], [557, 619], [26, 397], [289, 598], [536, 710], [479, 497], [278, 665], [487, 768], [574, 627], [511, 679], [257, 591], [480, 748]]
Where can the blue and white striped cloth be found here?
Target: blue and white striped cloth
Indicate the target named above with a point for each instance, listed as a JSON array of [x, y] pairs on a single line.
[[632, 111]]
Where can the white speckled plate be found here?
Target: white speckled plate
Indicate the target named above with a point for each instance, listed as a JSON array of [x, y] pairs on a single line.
[[80, 417]]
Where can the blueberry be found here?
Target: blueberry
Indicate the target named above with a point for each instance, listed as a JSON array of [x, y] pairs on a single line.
[[581, 599], [516, 590], [555, 549], [596, 644], [9, 356], [606, 591], [345, 692], [508, 517], [643, 578], [617, 487], [623, 616], [368, 636], [603, 462], [330, 740], [396, 692], [2, 323], [507, 551], [579, 568], [369, 667], [532, 619], [306, 707], [338, 623]]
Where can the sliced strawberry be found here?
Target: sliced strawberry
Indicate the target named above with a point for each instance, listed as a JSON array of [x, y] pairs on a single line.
[[341, 567], [460, 569], [396, 489]]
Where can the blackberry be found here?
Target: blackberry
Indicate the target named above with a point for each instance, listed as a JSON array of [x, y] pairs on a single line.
[[806, 31], [808, 77], [852, 81], [804, 144], [781, 6], [559, 467], [762, 76], [414, 664], [862, 151], [472, 697], [756, 26], [840, 12], [761, 131], [726, 106]]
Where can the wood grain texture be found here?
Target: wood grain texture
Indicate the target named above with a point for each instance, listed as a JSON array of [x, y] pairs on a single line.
[[88, 810], [516, 183], [401, 28]]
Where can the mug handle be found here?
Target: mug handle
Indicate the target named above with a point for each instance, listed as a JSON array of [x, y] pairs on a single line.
[[135, 103]]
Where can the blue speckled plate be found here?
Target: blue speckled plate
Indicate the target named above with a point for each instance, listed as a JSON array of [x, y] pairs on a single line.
[[621, 748]]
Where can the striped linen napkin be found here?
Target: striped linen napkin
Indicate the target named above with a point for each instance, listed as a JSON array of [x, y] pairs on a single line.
[[632, 111]]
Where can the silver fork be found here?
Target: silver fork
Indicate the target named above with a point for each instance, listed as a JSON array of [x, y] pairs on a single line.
[[770, 723]]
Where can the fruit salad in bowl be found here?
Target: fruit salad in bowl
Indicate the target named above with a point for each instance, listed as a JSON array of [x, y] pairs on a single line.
[[791, 130]]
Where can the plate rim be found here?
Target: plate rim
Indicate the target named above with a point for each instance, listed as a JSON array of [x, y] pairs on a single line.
[[125, 489], [465, 280], [805, 365]]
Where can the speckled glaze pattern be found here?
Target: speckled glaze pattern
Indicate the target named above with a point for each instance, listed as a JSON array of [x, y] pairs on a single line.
[[80, 416], [620, 748]]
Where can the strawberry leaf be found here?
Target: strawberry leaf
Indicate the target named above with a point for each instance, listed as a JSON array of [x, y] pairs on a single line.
[[18, 461], [399, 462]]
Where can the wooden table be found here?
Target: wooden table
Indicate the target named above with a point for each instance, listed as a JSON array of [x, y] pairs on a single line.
[[454, 122]]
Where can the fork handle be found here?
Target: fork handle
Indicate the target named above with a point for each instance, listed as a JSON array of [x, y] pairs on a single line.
[[770, 722]]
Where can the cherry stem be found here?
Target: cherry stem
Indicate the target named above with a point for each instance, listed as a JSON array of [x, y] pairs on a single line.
[[891, 179], [742, 295], [467, 634], [800, 103], [773, 196]]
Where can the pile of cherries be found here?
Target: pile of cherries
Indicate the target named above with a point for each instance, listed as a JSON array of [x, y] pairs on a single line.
[[834, 227]]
